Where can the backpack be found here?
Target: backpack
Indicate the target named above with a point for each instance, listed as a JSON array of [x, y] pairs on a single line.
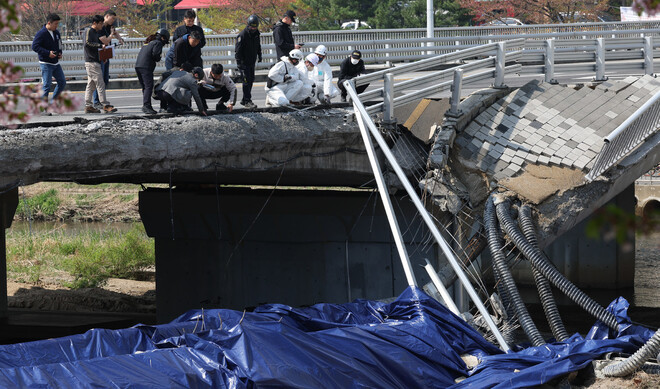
[[271, 83]]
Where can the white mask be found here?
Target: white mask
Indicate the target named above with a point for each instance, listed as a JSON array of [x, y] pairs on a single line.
[[355, 61]]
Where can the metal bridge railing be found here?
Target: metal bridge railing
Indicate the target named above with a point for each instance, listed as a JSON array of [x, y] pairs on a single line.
[[377, 46], [368, 129], [493, 67], [628, 136]]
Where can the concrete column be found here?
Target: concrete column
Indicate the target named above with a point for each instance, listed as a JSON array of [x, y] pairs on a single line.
[[295, 252], [8, 204]]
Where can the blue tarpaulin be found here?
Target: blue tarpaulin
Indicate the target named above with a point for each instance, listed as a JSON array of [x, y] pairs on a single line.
[[411, 342]]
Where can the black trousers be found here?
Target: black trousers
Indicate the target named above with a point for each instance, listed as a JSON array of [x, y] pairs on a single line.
[[146, 78], [248, 80], [205, 93], [167, 102], [340, 84]]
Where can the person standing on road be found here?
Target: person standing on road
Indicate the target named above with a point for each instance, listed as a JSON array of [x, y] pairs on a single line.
[[350, 68], [283, 37], [248, 53], [94, 42], [188, 27], [108, 31], [47, 44], [146, 63], [185, 49], [217, 85]]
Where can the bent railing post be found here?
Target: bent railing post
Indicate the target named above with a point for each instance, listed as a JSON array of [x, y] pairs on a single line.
[[455, 109], [385, 196], [600, 60], [625, 138], [500, 63], [550, 61], [648, 55], [363, 118]]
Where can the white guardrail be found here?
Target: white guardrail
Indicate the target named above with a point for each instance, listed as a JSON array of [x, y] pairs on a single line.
[[382, 46]]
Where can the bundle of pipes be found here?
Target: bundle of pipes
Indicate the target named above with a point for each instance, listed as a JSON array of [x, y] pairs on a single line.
[[498, 213]]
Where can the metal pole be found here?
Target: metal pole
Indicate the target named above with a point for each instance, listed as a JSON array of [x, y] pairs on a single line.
[[600, 60], [429, 22], [385, 197], [357, 105], [550, 61], [387, 54], [456, 87], [441, 288], [648, 55], [500, 62], [388, 100]]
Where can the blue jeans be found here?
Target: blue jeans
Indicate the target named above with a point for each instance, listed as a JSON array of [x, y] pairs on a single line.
[[47, 74], [105, 67]]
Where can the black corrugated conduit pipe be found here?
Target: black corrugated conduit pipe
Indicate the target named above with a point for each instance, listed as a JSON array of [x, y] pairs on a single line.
[[541, 263], [635, 361], [542, 283], [499, 263]]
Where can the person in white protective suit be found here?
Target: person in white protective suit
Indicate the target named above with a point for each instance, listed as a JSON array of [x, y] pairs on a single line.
[[325, 89], [285, 83], [306, 68]]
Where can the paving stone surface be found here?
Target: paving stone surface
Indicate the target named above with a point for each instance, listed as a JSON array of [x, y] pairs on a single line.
[[551, 124]]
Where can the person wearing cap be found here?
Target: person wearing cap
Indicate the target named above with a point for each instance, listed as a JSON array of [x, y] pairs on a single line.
[[248, 53], [282, 35], [177, 91], [306, 69], [322, 76], [350, 68], [285, 85], [189, 26], [217, 85], [149, 54]]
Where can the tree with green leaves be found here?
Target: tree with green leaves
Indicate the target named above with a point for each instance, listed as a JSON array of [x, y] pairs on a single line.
[[411, 14]]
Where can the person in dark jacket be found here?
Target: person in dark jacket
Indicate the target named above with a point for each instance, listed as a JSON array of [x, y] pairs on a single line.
[[177, 91], [350, 68], [47, 44], [282, 35], [188, 27], [94, 42], [146, 63], [108, 31], [248, 53], [185, 49]]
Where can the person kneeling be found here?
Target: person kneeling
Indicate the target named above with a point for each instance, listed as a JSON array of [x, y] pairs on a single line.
[[285, 83], [176, 92], [217, 85]]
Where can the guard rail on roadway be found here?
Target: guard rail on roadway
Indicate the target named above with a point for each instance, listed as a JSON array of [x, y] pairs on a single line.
[[378, 46]]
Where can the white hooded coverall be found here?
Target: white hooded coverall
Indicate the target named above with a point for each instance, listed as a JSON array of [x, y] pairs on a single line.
[[322, 76], [285, 92]]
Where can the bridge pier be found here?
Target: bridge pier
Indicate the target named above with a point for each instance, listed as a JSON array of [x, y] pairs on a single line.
[[8, 204], [239, 248]]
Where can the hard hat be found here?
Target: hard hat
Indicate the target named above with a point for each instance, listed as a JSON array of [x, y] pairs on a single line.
[[320, 49], [296, 54], [313, 59], [164, 34], [253, 21]]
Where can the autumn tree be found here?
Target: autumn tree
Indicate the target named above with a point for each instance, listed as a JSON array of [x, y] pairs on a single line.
[[144, 17], [537, 11], [231, 15]]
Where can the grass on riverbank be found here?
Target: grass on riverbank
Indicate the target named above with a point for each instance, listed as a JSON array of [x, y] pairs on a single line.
[[85, 259]]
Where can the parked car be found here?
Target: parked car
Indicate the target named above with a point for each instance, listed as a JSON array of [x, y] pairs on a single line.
[[353, 25], [505, 22]]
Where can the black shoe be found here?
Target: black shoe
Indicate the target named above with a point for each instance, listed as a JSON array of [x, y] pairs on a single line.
[[220, 107], [162, 110], [148, 110], [343, 99], [248, 104]]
